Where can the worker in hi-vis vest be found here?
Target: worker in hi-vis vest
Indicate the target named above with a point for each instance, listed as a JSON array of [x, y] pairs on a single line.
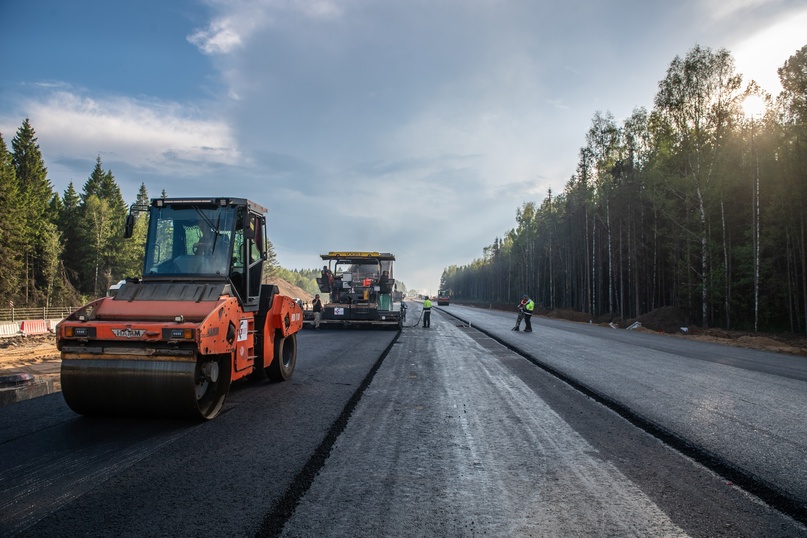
[[427, 313], [526, 307]]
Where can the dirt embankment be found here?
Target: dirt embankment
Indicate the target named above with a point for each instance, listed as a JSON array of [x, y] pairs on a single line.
[[292, 291]]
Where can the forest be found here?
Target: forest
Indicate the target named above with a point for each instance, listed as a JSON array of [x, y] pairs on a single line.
[[697, 204], [63, 250]]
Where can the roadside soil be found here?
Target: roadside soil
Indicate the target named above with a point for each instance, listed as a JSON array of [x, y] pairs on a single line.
[[36, 355]]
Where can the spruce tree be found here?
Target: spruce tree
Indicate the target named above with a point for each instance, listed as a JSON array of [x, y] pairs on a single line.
[[102, 259], [35, 192], [11, 265], [134, 248], [69, 220]]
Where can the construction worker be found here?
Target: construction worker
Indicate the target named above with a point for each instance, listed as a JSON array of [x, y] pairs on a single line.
[[327, 279], [317, 308], [383, 282], [520, 317], [427, 313], [529, 306]]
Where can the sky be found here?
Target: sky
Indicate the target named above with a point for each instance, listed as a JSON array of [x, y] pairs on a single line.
[[416, 127]]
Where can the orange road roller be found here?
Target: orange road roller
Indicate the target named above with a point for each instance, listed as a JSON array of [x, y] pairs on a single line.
[[170, 343]]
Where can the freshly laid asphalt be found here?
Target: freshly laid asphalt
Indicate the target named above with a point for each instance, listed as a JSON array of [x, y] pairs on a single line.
[[745, 408], [459, 436], [440, 431]]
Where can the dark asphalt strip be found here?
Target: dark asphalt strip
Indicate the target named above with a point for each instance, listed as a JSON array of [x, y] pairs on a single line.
[[276, 519], [769, 493]]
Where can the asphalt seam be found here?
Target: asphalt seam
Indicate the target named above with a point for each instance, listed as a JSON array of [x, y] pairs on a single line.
[[749, 482], [274, 521]]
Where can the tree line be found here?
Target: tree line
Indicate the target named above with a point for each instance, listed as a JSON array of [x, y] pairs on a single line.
[[697, 204], [62, 250]]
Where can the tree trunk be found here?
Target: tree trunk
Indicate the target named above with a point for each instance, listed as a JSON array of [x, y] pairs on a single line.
[[803, 274], [704, 259], [726, 272], [594, 267], [610, 260], [756, 245]]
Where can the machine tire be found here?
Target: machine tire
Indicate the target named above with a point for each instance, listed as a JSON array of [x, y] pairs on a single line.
[[285, 359], [210, 395]]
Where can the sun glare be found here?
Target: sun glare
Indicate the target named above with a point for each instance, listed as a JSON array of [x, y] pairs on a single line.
[[753, 106]]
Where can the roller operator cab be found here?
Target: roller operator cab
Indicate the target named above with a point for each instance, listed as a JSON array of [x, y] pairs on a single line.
[[359, 289], [171, 342]]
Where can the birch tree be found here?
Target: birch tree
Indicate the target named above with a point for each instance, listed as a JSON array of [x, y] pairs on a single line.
[[697, 97]]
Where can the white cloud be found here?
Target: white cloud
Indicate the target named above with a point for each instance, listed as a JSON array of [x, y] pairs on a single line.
[[145, 135], [722, 9], [229, 32], [760, 55], [218, 38]]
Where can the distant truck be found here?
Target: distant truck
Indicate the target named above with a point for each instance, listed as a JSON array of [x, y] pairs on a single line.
[[361, 290], [442, 298]]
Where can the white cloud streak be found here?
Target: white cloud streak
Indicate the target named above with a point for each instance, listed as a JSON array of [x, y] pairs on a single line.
[[239, 20], [147, 135]]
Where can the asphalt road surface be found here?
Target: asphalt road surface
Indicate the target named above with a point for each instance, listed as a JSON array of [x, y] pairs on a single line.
[[438, 432]]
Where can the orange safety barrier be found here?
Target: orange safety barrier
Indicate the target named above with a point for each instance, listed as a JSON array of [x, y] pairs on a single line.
[[36, 326]]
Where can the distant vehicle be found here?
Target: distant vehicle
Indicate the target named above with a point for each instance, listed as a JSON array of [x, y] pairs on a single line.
[[442, 298]]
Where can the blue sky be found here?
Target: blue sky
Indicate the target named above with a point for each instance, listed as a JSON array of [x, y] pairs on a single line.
[[411, 126]]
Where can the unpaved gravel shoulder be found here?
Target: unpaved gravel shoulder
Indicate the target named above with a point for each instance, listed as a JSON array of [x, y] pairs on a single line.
[[36, 355]]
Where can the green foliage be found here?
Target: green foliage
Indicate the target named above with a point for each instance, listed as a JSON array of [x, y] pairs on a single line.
[[302, 278], [130, 262], [33, 196], [98, 256], [271, 266], [691, 205], [11, 261]]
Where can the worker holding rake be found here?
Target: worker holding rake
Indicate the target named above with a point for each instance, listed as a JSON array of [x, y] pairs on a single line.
[[525, 308]]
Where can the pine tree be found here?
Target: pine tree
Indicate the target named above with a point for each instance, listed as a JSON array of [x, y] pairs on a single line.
[[69, 220], [134, 248], [101, 252], [271, 266], [35, 191], [11, 262]]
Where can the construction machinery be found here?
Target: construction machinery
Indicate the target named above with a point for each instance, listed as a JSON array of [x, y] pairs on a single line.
[[443, 298], [171, 342], [362, 290]]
